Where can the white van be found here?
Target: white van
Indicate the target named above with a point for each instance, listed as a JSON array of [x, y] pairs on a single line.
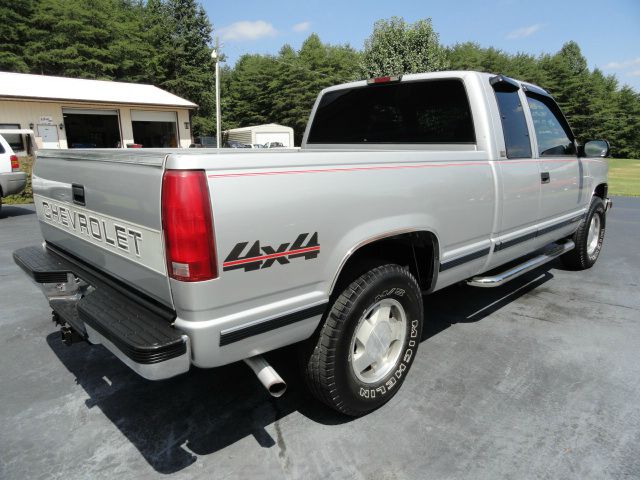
[[12, 179]]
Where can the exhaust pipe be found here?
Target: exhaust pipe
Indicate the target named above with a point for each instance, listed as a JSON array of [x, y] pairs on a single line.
[[267, 375]]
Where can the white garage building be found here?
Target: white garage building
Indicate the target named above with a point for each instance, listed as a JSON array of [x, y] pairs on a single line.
[[261, 134], [78, 113]]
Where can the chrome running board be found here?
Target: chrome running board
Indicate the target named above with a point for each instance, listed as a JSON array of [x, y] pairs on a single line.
[[508, 275]]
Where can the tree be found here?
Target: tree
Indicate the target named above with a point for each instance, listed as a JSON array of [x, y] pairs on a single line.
[[471, 56], [72, 38], [302, 75], [627, 139], [168, 43], [593, 103], [567, 75], [396, 47], [183, 57], [132, 47], [283, 88], [14, 34], [246, 91]]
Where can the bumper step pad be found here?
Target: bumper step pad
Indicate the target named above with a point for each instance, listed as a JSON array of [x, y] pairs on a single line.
[[138, 333], [41, 266], [144, 335]]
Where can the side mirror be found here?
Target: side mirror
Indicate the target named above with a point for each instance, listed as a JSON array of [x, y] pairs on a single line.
[[596, 148]]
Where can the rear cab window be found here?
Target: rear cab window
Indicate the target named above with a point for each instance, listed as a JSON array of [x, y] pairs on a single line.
[[411, 112]]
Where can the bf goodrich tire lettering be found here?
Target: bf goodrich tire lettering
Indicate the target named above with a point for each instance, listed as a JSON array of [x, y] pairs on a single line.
[[328, 360]]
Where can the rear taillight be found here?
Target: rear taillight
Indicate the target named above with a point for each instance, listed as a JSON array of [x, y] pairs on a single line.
[[15, 164], [188, 226]]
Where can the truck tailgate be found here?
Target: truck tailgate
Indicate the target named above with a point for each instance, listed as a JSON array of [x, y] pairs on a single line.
[[103, 207]]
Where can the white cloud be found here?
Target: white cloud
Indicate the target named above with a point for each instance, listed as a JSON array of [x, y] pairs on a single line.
[[247, 30], [301, 27], [634, 74], [624, 64], [524, 31]]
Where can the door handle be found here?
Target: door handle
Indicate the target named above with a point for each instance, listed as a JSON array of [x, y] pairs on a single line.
[[78, 194], [545, 177]]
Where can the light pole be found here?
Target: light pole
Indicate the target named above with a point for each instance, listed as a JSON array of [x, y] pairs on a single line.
[[216, 57]]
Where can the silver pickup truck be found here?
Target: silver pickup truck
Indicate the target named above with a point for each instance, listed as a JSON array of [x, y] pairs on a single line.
[[402, 186]]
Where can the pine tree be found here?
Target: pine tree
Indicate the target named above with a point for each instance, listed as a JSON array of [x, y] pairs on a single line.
[[72, 38], [247, 99], [283, 88], [627, 141], [185, 59], [14, 34], [302, 75]]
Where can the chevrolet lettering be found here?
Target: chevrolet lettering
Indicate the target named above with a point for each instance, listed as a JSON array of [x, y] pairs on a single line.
[[92, 226]]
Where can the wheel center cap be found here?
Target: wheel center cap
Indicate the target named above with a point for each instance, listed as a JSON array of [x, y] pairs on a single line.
[[379, 340]]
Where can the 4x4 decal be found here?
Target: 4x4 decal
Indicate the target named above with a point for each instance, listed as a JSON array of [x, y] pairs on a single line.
[[263, 256]]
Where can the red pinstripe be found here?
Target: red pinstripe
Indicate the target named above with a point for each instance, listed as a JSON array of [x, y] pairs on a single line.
[[387, 167]]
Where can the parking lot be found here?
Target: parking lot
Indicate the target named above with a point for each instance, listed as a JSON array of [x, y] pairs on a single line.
[[536, 379]]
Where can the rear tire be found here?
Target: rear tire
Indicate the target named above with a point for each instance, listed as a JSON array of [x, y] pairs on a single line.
[[588, 238], [361, 354]]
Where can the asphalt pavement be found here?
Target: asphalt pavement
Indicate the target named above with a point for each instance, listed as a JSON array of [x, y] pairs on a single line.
[[539, 379]]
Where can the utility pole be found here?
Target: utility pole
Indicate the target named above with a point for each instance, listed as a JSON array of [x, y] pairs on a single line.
[[215, 55]]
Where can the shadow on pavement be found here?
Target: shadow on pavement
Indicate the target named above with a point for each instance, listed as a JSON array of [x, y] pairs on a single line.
[[198, 413], [207, 410], [9, 211], [464, 304]]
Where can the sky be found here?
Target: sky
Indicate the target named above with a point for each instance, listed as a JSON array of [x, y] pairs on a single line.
[[608, 31]]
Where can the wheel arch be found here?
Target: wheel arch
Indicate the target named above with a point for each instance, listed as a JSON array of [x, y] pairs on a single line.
[[601, 190], [419, 250]]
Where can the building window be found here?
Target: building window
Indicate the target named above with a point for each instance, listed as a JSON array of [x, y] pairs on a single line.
[[91, 128], [14, 139], [153, 129]]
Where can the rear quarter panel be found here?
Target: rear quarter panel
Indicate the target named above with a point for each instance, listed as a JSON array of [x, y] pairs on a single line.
[[346, 198]]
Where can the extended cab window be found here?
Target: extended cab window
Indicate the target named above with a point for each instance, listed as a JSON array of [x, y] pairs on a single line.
[[552, 132], [433, 111], [514, 125]]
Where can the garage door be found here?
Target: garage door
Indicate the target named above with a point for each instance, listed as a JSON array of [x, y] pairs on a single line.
[[264, 137], [86, 128], [153, 129]]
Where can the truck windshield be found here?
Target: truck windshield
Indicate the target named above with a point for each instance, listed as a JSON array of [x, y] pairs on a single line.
[[432, 111]]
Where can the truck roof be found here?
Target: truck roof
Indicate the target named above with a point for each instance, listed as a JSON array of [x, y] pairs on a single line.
[[432, 75]]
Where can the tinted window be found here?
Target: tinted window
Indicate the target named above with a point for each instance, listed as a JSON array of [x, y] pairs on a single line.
[[13, 139], [435, 111], [514, 125], [552, 133]]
